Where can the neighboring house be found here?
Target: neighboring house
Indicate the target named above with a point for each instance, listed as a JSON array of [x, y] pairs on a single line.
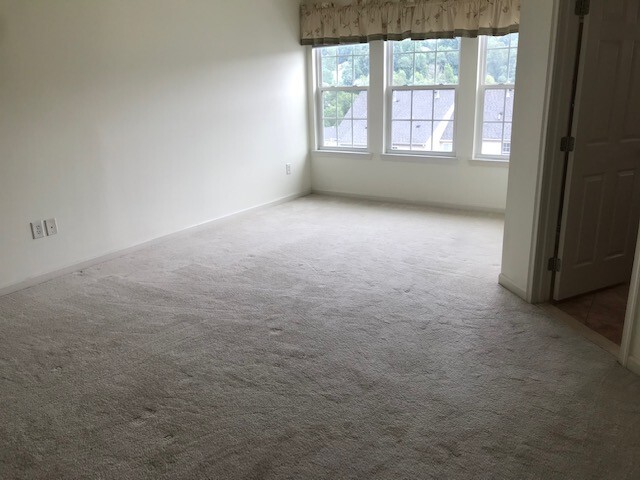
[[352, 129], [498, 114], [419, 134]]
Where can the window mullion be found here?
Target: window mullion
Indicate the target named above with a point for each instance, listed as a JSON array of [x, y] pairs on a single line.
[[376, 97], [467, 99]]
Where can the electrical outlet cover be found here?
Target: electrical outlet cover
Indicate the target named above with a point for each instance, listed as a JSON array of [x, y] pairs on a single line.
[[36, 229], [51, 226]]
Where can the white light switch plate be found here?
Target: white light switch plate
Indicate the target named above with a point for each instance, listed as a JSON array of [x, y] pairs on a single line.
[[51, 226]]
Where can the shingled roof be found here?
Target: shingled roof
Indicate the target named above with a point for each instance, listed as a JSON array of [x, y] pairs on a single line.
[[425, 107]]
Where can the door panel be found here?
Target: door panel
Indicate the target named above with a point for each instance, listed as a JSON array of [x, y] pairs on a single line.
[[600, 110], [602, 202], [632, 117], [620, 215], [588, 230]]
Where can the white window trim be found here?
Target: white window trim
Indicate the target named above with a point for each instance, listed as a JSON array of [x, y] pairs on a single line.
[[318, 107], [468, 115], [481, 89], [388, 150]]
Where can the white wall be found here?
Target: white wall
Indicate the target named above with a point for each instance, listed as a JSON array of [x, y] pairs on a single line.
[[457, 182], [131, 119], [537, 32]]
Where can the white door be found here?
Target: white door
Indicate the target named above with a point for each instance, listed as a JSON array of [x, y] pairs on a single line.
[[602, 202]]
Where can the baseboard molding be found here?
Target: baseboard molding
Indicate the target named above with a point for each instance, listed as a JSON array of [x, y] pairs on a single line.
[[507, 283], [633, 364], [38, 279], [404, 201]]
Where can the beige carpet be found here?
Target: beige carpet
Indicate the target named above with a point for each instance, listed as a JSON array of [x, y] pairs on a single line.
[[319, 339]]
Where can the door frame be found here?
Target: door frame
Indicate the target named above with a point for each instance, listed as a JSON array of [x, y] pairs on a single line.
[[551, 185]]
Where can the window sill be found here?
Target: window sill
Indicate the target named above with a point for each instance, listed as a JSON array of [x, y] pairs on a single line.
[[503, 162], [413, 158], [342, 153]]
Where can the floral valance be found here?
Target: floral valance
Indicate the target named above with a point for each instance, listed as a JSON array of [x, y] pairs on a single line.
[[366, 20]]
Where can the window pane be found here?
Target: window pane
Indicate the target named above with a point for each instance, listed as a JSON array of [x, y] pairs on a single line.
[[497, 66], [506, 136], [426, 45], [498, 42], [345, 137], [421, 135], [345, 99], [426, 62], [448, 66], [330, 134], [513, 57], [425, 69], [500, 59], [400, 135], [443, 136], [404, 46], [329, 105], [491, 138], [361, 70], [444, 104], [422, 104], [401, 105], [344, 110], [339, 109], [448, 44], [494, 103], [329, 72], [346, 65], [359, 106], [360, 133], [360, 49], [402, 69], [508, 107], [345, 71], [329, 51]]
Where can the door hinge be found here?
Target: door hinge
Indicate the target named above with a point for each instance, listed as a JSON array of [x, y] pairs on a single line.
[[582, 7], [567, 144], [554, 264]]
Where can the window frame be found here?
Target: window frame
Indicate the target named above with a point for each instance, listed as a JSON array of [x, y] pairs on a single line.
[[388, 117], [319, 106], [481, 88], [467, 119]]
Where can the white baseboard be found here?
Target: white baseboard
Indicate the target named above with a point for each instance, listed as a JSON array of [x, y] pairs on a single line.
[[32, 281], [376, 198], [507, 283], [633, 364]]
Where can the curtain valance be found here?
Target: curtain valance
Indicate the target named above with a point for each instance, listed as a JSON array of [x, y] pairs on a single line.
[[367, 20]]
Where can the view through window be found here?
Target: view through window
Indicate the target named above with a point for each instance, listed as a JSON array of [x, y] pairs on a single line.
[[496, 93], [344, 81], [422, 80]]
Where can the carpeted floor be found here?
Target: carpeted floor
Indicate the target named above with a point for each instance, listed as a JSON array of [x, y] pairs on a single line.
[[318, 339]]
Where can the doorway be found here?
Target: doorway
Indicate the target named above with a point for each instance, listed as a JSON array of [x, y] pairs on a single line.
[[597, 171]]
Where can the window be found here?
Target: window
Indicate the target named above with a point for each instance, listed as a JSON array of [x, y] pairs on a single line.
[[423, 78], [495, 95], [424, 99], [342, 103]]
